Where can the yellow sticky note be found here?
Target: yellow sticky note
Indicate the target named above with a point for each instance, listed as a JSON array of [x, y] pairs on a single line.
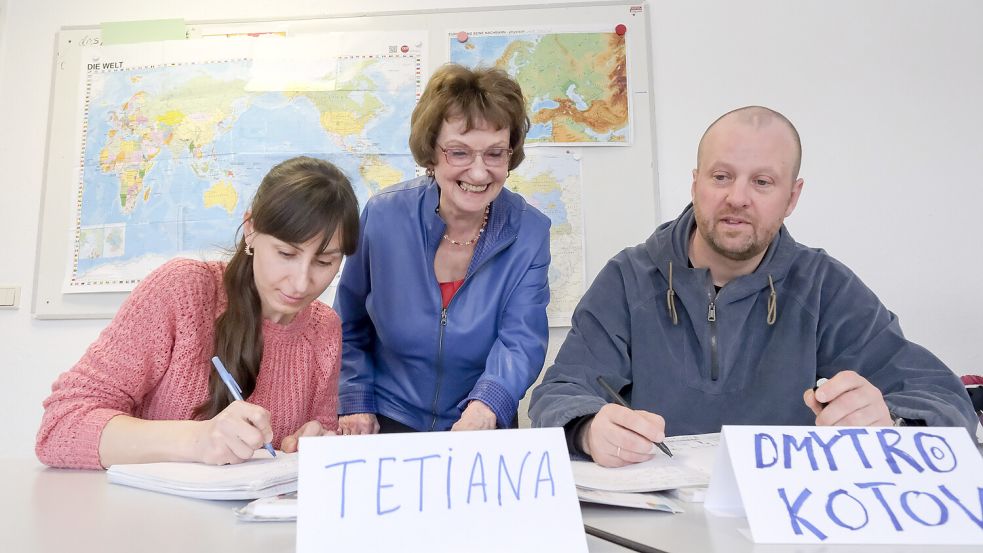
[[151, 30]]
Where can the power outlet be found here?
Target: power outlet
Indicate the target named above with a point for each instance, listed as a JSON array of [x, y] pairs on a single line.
[[9, 297]]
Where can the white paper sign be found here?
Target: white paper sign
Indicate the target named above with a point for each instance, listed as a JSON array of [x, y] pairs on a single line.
[[797, 484], [501, 490]]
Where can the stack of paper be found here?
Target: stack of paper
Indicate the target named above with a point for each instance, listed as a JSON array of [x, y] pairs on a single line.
[[262, 476], [688, 469], [652, 501]]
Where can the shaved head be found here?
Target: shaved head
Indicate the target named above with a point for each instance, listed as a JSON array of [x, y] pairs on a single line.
[[757, 117]]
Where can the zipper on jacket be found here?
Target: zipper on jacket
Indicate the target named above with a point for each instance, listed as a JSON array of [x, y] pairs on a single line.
[[712, 319], [443, 323], [440, 366]]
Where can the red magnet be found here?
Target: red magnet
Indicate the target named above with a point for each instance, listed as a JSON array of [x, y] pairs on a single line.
[[462, 36], [621, 29], [404, 48]]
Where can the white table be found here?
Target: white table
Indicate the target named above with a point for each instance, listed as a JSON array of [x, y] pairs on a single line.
[[56, 511]]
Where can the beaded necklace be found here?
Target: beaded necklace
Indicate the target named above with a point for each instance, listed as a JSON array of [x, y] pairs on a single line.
[[484, 223]]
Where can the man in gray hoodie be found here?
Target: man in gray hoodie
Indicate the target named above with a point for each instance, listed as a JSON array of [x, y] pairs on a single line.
[[720, 317]]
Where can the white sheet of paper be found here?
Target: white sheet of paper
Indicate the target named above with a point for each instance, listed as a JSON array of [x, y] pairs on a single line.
[[277, 508], [501, 490], [689, 495], [652, 501], [690, 465], [911, 485]]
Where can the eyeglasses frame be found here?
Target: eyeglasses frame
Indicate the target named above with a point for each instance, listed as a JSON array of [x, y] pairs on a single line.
[[475, 154]]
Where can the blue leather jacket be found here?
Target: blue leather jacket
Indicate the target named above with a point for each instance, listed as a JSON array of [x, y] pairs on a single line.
[[408, 358]]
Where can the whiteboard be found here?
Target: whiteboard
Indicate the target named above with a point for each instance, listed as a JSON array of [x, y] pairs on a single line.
[[620, 188]]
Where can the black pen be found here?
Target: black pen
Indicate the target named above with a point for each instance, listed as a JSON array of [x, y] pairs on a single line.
[[621, 401]]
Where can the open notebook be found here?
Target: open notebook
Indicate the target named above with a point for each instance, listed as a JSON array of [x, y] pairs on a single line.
[[691, 465], [261, 476], [686, 475]]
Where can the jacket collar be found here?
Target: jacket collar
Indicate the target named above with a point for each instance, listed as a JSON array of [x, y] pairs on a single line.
[[504, 220], [670, 242]]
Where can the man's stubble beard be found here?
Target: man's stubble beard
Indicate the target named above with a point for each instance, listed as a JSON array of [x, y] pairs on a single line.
[[748, 250]]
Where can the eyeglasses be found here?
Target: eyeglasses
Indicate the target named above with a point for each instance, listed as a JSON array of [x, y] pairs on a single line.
[[462, 157]]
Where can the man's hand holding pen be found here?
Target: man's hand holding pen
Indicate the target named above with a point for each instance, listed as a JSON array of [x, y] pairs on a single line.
[[847, 399], [617, 436]]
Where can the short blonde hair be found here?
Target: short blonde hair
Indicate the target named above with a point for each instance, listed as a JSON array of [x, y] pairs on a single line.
[[477, 95]]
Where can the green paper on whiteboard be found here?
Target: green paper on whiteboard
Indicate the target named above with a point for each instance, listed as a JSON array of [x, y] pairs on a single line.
[[128, 32]]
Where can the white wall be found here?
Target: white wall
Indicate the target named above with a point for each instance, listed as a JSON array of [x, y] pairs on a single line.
[[885, 94]]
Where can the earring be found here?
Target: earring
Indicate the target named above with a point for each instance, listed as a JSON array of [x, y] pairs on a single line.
[[249, 249], [430, 171]]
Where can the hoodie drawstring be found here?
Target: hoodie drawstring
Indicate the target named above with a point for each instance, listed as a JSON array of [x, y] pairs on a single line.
[[671, 299], [772, 303]]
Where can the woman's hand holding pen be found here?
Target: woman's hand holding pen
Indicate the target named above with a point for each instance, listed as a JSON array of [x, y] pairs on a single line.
[[619, 436], [233, 435], [848, 399]]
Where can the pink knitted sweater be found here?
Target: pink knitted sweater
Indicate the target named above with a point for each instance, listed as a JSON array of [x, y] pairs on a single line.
[[153, 362]]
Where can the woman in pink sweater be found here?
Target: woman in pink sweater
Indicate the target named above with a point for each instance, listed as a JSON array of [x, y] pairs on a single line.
[[146, 391]]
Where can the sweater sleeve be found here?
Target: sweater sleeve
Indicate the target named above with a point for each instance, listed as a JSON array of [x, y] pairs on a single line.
[[126, 362], [857, 332], [325, 399], [598, 344]]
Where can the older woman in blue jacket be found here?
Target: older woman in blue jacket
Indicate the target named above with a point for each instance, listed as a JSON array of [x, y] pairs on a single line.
[[443, 306]]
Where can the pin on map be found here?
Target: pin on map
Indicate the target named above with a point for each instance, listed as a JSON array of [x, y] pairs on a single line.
[[462, 36], [620, 29]]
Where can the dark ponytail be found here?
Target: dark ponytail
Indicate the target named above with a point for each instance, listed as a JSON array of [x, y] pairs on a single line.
[[298, 199]]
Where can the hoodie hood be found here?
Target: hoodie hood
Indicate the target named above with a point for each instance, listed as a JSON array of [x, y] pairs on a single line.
[[670, 244]]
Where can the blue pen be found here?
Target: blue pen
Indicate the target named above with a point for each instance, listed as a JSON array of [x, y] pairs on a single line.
[[234, 389]]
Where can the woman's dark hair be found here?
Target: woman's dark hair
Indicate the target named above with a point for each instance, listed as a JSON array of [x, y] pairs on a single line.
[[299, 199], [477, 95]]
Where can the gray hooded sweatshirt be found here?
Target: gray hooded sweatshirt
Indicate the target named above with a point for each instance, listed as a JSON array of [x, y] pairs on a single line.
[[702, 359]]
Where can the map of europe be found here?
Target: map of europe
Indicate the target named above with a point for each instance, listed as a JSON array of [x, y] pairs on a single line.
[[575, 83], [172, 152]]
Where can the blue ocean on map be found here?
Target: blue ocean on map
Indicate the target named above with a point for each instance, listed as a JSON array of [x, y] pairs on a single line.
[[171, 170]]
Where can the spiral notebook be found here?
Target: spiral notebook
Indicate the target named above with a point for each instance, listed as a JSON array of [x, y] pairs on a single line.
[[261, 476]]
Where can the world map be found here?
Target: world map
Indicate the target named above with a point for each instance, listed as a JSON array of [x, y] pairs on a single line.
[[173, 148], [173, 151], [575, 84]]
